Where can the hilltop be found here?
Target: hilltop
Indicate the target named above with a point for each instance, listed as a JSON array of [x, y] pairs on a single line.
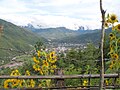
[[15, 38]]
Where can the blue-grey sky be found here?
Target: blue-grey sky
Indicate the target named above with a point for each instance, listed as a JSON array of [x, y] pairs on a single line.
[[57, 13]]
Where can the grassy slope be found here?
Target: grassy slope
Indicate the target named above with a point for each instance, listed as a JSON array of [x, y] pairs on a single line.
[[55, 33], [86, 38], [16, 38]]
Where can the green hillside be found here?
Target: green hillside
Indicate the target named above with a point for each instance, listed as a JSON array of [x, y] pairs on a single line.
[[58, 33], [85, 38], [16, 38], [54, 33]]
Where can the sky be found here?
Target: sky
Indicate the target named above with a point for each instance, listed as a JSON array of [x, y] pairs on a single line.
[[57, 13]]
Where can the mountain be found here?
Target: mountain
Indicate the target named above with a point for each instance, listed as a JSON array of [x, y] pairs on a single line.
[[54, 33], [64, 35], [58, 33], [16, 38], [93, 37]]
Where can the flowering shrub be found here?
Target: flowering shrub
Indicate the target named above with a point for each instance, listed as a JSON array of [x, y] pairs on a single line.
[[19, 83], [114, 36], [44, 64]]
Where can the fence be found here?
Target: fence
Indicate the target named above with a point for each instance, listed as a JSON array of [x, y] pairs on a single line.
[[60, 83]]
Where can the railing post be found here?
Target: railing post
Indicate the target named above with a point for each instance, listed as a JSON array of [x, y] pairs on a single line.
[[59, 82], [119, 74], [89, 79], [115, 79]]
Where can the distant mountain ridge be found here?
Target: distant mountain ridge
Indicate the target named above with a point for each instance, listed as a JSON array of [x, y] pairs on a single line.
[[93, 37], [64, 35], [58, 33]]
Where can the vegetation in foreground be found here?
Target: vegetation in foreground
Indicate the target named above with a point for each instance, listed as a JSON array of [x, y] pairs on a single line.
[[74, 61]]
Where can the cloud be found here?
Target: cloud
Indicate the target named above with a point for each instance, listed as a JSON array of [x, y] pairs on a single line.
[[55, 13], [17, 19], [60, 21], [64, 2], [14, 6], [55, 3]]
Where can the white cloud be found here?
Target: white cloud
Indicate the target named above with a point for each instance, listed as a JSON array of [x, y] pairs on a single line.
[[55, 13], [8, 6], [17, 19], [56, 3], [64, 2], [60, 21]]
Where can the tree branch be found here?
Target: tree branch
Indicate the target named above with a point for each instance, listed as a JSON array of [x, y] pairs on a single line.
[[102, 43]]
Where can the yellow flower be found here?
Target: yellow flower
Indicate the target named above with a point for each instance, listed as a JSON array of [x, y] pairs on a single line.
[[7, 83], [35, 60], [108, 20], [44, 68], [112, 62], [53, 61], [106, 81], [113, 18], [106, 25], [112, 55], [112, 36], [38, 53], [52, 54], [41, 72], [36, 67], [116, 56], [117, 27], [21, 83], [48, 82], [52, 71], [45, 71], [85, 82], [48, 57], [113, 28], [45, 63], [53, 67], [111, 66], [32, 82], [15, 83], [27, 73], [40, 85], [15, 73], [111, 48]]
